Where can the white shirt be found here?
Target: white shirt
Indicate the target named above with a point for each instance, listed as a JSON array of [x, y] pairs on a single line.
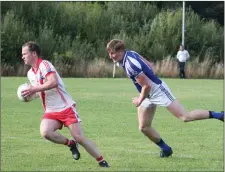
[[53, 100], [182, 56]]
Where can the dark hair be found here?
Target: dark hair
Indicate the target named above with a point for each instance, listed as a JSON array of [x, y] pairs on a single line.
[[33, 47]]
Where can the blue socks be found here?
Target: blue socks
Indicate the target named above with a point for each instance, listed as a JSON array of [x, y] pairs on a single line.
[[216, 115], [163, 145]]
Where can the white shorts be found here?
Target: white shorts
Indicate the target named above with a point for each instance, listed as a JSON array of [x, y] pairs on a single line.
[[162, 96]]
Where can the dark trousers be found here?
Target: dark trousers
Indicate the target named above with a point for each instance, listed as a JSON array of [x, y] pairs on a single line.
[[182, 70]]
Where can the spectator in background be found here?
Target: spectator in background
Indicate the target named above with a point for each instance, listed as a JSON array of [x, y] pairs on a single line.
[[182, 56]]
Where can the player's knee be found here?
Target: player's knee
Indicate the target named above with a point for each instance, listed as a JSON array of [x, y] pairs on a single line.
[[184, 118], [143, 129], [45, 134]]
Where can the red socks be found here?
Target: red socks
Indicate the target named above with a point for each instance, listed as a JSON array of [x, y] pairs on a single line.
[[69, 142], [100, 159]]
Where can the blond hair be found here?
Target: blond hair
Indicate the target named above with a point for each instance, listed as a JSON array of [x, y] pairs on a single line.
[[115, 45]]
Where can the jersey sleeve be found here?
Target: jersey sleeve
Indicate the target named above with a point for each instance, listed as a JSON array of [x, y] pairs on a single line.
[[134, 67], [46, 68]]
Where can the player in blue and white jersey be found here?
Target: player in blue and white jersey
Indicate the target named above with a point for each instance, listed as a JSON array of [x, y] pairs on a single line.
[[153, 91]]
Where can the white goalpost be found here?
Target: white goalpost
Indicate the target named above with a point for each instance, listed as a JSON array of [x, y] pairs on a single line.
[[114, 68]]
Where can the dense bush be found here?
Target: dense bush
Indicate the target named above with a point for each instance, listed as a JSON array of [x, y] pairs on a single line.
[[71, 31]]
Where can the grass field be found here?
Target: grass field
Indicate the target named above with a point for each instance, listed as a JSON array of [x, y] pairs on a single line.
[[110, 120]]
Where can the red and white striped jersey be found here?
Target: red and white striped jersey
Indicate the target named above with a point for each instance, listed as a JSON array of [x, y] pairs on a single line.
[[53, 100]]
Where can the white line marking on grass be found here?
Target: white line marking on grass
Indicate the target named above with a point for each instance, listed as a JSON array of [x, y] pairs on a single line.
[[26, 139], [117, 148]]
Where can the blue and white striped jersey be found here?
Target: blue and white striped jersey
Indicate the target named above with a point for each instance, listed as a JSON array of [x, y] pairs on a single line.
[[133, 65]]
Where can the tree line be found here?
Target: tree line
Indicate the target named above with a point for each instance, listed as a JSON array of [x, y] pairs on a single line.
[[71, 31]]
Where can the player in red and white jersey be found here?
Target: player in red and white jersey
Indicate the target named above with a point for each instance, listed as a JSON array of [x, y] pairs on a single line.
[[55, 99], [59, 107]]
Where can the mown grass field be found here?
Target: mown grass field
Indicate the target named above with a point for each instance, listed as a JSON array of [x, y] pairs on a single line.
[[110, 120]]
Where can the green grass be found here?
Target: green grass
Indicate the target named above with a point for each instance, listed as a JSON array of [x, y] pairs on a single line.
[[110, 120]]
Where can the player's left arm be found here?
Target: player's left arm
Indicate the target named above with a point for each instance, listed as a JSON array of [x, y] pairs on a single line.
[[51, 82], [49, 74], [142, 80]]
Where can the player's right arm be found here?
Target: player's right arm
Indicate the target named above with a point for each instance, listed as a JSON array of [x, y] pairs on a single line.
[[142, 80], [135, 71]]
